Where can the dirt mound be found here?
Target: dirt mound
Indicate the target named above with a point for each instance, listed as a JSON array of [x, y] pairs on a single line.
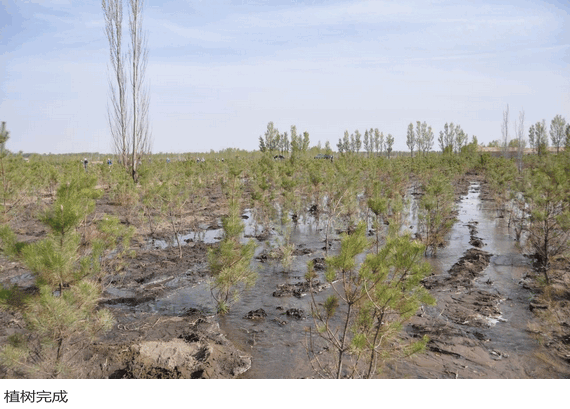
[[167, 348], [456, 326], [462, 273], [474, 240], [299, 289], [255, 314], [296, 313], [319, 264], [477, 308], [301, 250]]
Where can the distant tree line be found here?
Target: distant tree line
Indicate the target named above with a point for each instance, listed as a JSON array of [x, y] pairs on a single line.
[[273, 141], [538, 133], [374, 142], [420, 138]]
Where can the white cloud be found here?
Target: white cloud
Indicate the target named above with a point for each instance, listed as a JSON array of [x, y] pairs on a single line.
[[327, 14], [189, 33], [49, 3]]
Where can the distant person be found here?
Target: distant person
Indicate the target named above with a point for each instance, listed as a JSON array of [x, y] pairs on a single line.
[[109, 162], [167, 160], [85, 162]]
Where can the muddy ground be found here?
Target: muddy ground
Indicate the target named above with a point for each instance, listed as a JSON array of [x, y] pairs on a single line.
[[147, 344], [464, 328]]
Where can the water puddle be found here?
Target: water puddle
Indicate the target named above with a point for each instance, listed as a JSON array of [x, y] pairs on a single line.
[[277, 341]]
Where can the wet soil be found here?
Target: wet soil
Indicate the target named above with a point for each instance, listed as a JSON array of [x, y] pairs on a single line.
[[492, 318], [482, 325]]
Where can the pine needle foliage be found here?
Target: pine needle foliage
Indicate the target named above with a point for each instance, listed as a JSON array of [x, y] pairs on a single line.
[[55, 258], [436, 216], [75, 199], [66, 308], [111, 236], [230, 262], [13, 178], [9, 244], [361, 322], [546, 190]]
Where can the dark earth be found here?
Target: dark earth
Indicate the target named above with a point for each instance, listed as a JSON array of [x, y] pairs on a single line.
[[146, 344]]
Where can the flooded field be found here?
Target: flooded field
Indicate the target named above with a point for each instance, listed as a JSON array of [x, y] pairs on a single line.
[[478, 327], [493, 315]]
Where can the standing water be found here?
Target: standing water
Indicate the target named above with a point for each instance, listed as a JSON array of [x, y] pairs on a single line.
[[277, 341]]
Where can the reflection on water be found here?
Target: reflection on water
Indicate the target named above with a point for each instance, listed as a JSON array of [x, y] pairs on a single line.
[[276, 342]]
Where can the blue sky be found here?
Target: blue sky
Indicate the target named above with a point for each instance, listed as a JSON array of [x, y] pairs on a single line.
[[220, 70]]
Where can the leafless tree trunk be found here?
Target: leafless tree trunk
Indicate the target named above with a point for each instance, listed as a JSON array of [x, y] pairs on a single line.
[[505, 131], [118, 111], [519, 132], [138, 56], [130, 145]]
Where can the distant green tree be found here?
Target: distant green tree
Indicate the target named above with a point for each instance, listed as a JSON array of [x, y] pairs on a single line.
[[296, 142], [389, 144], [557, 130], [428, 140], [378, 141], [357, 141], [449, 135], [340, 146], [306, 141], [461, 139], [328, 149], [344, 144], [270, 141], [367, 144], [423, 137], [540, 137], [411, 139]]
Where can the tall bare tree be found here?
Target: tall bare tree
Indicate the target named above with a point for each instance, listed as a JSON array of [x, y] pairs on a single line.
[[138, 57], [521, 143], [505, 131], [118, 113], [129, 127], [428, 139]]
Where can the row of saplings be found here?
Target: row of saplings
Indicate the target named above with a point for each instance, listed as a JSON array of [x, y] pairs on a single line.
[[63, 316], [69, 268], [536, 202], [360, 323], [371, 300]]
